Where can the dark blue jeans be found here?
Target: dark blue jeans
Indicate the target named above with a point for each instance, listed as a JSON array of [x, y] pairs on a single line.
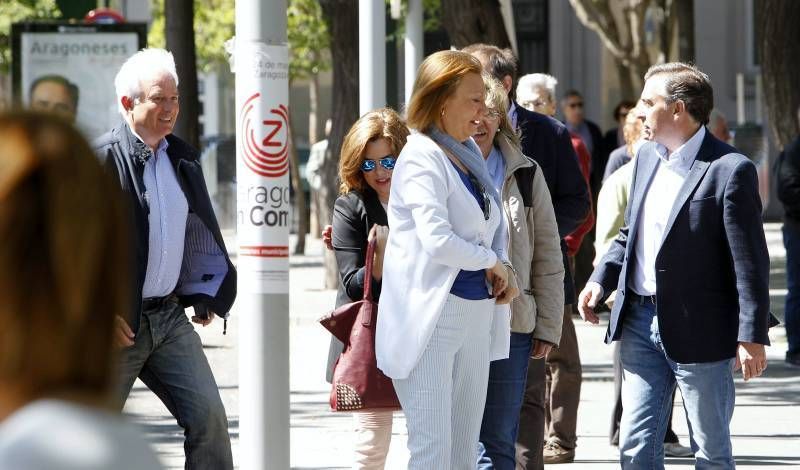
[[168, 356], [503, 403], [791, 319]]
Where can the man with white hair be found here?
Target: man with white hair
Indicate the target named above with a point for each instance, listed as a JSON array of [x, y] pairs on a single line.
[[179, 258]]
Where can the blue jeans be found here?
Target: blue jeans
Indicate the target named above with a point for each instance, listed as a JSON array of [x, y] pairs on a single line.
[[168, 356], [648, 379], [503, 403], [791, 318]]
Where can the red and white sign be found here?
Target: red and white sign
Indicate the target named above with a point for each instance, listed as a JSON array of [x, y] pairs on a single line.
[[262, 167]]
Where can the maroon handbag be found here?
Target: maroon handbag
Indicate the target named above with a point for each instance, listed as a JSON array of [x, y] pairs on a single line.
[[358, 384]]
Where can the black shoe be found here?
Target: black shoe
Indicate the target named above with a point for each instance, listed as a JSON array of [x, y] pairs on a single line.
[[793, 359]]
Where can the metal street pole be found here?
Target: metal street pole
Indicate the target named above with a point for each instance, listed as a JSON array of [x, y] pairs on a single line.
[[371, 55], [261, 63], [413, 45]]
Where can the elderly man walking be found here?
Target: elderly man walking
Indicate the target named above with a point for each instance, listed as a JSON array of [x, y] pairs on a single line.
[[691, 270], [180, 258]]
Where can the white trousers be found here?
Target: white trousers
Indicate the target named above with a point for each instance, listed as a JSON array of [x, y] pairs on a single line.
[[373, 433], [444, 395]]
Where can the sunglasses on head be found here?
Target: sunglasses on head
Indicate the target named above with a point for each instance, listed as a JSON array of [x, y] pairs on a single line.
[[387, 162]]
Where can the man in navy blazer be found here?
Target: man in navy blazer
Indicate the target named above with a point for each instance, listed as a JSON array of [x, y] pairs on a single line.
[[691, 270]]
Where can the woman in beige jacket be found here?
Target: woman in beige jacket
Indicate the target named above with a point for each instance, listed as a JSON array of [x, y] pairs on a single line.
[[534, 251]]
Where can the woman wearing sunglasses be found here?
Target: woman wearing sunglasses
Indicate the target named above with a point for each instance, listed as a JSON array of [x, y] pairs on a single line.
[[445, 269], [365, 172], [535, 251]]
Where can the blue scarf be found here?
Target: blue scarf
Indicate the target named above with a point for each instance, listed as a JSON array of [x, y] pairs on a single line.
[[469, 154]]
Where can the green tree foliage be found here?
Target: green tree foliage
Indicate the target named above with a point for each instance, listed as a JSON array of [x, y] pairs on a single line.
[[309, 40], [14, 11], [214, 23]]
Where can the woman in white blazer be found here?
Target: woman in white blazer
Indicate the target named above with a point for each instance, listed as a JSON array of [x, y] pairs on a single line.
[[445, 268]]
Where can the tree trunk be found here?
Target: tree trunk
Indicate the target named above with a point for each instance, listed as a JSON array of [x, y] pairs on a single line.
[[342, 19], [472, 21], [313, 112], [684, 17], [627, 89], [179, 32], [299, 195], [779, 50], [313, 105]]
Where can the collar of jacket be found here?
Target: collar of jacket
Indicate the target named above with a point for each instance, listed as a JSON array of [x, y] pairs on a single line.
[[137, 150], [513, 156]]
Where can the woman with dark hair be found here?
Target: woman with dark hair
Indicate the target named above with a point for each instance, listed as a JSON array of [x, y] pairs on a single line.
[[64, 277], [445, 268], [368, 155]]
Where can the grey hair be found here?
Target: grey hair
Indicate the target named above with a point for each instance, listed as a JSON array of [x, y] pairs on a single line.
[[143, 65], [532, 81]]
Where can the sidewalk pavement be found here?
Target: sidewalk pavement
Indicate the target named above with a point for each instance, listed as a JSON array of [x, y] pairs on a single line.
[[765, 427]]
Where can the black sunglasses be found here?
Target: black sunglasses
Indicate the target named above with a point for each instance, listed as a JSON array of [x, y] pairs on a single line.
[[575, 105], [387, 162], [487, 204]]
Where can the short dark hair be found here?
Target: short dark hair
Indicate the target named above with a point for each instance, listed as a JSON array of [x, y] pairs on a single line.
[[687, 83], [501, 62], [623, 104], [572, 92], [72, 89]]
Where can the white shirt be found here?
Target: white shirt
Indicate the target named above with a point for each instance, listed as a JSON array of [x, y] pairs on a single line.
[[656, 208]]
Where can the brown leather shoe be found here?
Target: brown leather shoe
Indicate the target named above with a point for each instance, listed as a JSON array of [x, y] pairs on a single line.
[[554, 453]]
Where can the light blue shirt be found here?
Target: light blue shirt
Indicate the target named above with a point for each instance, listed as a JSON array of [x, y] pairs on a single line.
[[168, 212], [496, 165]]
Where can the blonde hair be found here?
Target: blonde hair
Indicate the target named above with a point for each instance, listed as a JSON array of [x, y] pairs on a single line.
[[381, 123], [63, 261], [437, 79], [496, 98]]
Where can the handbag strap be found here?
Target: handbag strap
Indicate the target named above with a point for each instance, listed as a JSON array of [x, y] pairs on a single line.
[[368, 269]]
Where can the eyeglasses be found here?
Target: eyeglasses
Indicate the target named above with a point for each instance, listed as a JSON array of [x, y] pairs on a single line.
[[534, 104], [577, 104], [487, 204], [387, 162]]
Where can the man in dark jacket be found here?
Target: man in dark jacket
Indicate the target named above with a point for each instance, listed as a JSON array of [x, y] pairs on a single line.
[[788, 176], [180, 258], [547, 141]]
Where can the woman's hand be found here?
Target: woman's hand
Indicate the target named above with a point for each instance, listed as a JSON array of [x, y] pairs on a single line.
[[380, 233], [512, 290], [327, 237], [498, 278]]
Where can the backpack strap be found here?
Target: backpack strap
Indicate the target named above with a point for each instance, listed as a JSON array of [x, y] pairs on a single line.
[[524, 178]]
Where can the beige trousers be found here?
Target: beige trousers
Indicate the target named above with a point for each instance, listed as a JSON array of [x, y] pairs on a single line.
[[373, 433]]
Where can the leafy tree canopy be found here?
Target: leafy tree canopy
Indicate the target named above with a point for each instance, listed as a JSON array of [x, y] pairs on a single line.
[[14, 11], [309, 40]]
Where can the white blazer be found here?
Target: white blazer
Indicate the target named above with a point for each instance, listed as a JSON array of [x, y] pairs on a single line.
[[436, 230]]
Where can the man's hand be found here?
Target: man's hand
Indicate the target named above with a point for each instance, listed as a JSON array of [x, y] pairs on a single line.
[[588, 300], [327, 237], [752, 359], [541, 349], [498, 278], [204, 321], [123, 335]]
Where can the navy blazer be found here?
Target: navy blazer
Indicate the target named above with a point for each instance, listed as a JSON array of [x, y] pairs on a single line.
[[547, 141], [712, 270]]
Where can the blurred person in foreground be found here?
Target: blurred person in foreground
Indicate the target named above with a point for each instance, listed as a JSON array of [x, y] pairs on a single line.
[[611, 205], [447, 280], [65, 233], [369, 153], [534, 247], [179, 256], [691, 270]]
